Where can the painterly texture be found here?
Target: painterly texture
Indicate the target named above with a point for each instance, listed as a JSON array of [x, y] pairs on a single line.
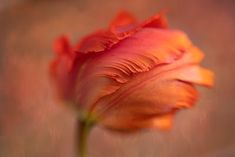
[[131, 76], [33, 124]]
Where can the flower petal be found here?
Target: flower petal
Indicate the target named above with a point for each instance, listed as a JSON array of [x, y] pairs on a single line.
[[157, 21], [127, 59], [132, 81], [132, 75], [123, 26], [164, 66], [62, 45], [124, 61], [123, 22], [163, 122], [131, 124], [97, 42], [158, 94], [152, 99], [61, 65]]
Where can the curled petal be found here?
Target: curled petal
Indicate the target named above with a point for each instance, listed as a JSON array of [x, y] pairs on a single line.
[[145, 77], [147, 98], [126, 60], [153, 95], [62, 69], [97, 42], [122, 27], [153, 99], [157, 21], [192, 74], [130, 124], [163, 122], [123, 22], [62, 46]]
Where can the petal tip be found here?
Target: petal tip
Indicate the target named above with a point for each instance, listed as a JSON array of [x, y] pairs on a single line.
[[61, 45], [122, 18]]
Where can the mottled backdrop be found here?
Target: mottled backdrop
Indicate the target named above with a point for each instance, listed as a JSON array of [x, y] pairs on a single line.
[[33, 124]]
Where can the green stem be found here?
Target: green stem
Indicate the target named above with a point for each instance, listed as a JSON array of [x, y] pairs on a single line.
[[84, 127]]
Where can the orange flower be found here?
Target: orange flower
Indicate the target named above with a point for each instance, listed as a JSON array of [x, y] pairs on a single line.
[[132, 75]]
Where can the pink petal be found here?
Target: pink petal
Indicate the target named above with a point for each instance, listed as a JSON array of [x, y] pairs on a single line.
[[123, 22], [157, 21], [122, 27], [97, 42]]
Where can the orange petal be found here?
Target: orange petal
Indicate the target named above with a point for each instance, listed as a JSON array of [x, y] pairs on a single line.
[[193, 74], [150, 98], [163, 122], [154, 98], [161, 94], [131, 123], [126, 60], [148, 92]]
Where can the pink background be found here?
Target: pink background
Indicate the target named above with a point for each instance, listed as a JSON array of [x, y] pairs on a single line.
[[33, 124]]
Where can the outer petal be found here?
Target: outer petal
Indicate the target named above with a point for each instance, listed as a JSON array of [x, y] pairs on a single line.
[[144, 78], [157, 21], [148, 96], [130, 123], [97, 42], [105, 73], [163, 122], [123, 22], [61, 66], [155, 47], [122, 27], [62, 46]]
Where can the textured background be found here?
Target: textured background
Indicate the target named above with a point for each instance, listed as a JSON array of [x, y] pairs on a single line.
[[33, 124]]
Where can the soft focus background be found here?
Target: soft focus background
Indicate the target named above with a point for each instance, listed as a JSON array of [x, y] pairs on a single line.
[[33, 124]]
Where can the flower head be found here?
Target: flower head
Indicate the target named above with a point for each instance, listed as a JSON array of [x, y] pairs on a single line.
[[131, 75]]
